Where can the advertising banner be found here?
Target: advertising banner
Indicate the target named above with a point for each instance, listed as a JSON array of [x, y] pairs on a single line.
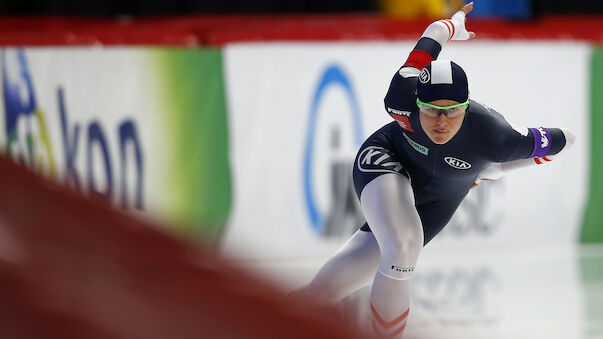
[[298, 113], [141, 128]]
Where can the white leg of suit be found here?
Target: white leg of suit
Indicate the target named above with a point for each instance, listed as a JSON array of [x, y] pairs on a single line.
[[353, 266], [388, 205]]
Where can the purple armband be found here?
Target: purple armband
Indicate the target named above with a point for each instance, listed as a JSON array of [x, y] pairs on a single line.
[[542, 142]]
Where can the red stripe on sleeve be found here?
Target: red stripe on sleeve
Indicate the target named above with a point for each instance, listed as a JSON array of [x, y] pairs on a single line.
[[449, 29], [451, 24], [418, 59], [537, 161], [403, 121], [546, 159]]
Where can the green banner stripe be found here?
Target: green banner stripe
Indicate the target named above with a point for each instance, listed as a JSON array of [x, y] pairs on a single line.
[[592, 230], [195, 108]]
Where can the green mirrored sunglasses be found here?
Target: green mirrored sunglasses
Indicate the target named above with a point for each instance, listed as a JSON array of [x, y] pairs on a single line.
[[434, 111]]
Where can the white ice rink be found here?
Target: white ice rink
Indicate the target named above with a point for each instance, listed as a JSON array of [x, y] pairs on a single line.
[[505, 292]]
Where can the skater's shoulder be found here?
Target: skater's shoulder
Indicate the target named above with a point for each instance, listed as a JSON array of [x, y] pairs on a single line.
[[481, 110], [483, 116]]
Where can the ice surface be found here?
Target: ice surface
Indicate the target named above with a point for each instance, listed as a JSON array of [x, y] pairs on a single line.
[[506, 292]]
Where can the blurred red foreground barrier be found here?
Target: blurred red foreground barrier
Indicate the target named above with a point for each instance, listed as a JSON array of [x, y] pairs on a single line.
[[216, 30], [74, 268]]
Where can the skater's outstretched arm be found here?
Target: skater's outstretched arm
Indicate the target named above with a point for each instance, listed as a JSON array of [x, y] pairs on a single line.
[[400, 97], [496, 170], [435, 36], [513, 148]]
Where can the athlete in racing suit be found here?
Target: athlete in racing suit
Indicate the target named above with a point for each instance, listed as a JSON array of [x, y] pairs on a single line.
[[412, 174]]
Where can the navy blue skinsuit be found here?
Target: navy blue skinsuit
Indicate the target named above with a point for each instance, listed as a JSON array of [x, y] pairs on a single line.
[[440, 175]]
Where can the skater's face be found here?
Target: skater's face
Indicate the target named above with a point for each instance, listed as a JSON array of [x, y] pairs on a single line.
[[441, 128]]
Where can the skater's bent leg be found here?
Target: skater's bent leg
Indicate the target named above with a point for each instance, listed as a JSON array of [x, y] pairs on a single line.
[[350, 268], [388, 205]]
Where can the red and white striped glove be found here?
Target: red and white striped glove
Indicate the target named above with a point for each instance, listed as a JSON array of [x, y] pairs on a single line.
[[450, 29]]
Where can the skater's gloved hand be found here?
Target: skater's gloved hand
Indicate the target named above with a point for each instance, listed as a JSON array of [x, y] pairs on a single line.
[[492, 172], [450, 29], [459, 31]]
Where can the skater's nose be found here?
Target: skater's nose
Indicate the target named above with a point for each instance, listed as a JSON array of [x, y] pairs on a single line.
[[441, 120]]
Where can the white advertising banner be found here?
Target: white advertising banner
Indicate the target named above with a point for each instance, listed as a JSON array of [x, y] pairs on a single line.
[[299, 111], [79, 115], [127, 125]]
